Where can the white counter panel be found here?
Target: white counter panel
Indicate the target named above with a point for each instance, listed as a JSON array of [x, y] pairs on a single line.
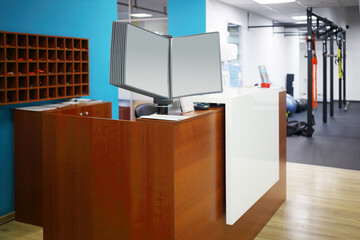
[[252, 145]]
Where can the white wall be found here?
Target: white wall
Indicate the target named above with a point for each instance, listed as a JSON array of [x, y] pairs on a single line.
[[353, 54], [260, 46], [282, 54]]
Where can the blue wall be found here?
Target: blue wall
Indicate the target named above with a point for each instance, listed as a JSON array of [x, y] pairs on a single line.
[[74, 18], [186, 17]]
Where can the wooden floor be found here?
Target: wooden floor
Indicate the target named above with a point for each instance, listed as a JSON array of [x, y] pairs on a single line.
[[322, 203]]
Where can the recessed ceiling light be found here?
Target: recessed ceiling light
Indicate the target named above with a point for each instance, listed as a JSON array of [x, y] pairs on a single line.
[[141, 15], [273, 1], [299, 18]]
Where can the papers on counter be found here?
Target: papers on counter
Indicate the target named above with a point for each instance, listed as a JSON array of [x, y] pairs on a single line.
[[36, 108], [165, 117], [47, 107]]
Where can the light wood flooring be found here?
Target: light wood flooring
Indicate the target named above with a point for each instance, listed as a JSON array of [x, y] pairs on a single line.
[[322, 203]]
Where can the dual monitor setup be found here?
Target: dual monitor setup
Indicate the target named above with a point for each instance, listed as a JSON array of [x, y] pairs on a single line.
[[163, 67]]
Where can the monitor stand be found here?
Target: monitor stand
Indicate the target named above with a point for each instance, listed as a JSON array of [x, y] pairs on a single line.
[[162, 105]]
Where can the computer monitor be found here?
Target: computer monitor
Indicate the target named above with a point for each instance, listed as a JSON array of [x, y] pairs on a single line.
[[196, 65], [139, 61], [163, 67]]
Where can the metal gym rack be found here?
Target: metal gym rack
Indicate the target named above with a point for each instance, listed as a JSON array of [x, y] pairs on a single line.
[[323, 30]]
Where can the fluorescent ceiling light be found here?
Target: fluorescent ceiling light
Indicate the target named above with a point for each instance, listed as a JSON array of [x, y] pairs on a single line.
[[141, 15], [299, 18], [273, 1]]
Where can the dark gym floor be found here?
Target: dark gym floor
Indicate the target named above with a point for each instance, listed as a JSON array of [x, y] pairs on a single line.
[[334, 144]]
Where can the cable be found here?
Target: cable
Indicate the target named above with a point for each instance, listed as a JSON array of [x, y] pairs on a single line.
[[298, 128]]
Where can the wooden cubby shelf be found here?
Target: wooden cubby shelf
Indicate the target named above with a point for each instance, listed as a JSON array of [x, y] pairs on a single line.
[[40, 67]]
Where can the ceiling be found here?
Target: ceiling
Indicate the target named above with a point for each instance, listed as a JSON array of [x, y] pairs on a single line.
[[279, 12], [157, 8], [283, 12]]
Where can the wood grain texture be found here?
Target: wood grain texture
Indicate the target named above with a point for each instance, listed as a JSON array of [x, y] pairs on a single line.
[[198, 169], [148, 179], [28, 167], [118, 175], [101, 110], [109, 179], [7, 217], [322, 203], [28, 159], [20, 231]]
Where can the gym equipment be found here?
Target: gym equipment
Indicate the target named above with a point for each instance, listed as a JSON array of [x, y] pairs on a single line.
[[318, 28], [314, 76], [297, 128], [290, 104], [301, 105]]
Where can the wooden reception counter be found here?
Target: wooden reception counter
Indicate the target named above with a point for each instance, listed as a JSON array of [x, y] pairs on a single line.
[[144, 179]]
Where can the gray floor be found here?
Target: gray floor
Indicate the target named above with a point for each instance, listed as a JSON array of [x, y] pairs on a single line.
[[334, 144]]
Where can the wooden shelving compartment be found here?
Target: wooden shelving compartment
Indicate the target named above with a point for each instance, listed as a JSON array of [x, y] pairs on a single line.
[[85, 78], [52, 55], [52, 80], [22, 54], [77, 90], [52, 92], [22, 68], [40, 67], [33, 81], [61, 92], [10, 39], [22, 40], [61, 80], [2, 39], [61, 67], [43, 55], [33, 55], [33, 94], [77, 79], [32, 41], [23, 82], [11, 83], [51, 42], [43, 81], [60, 56], [69, 68], [2, 83], [69, 79], [23, 95], [43, 93], [2, 54], [11, 54]]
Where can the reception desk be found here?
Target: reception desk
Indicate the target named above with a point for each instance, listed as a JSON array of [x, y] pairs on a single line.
[[145, 179], [252, 145]]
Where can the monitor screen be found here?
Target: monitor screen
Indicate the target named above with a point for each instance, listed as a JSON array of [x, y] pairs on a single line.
[[164, 67], [139, 61], [196, 65]]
